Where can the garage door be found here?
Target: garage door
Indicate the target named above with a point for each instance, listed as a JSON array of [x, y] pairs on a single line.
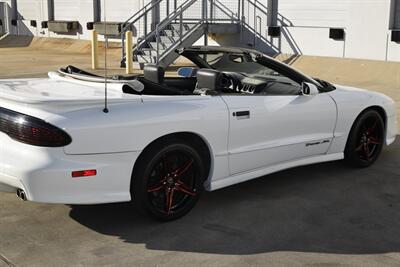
[[80, 10], [30, 9], [314, 13], [120, 10]]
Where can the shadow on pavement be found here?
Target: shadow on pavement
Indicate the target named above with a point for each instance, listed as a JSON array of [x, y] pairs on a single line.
[[326, 208]]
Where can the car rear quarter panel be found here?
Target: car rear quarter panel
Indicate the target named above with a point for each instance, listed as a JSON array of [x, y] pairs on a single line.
[[132, 127]]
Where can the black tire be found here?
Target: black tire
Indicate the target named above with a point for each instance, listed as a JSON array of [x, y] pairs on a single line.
[[168, 180], [365, 141]]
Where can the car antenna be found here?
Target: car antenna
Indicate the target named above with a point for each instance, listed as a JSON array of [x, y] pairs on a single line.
[[105, 110]]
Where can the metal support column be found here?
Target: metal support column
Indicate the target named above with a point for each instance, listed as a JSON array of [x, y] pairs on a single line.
[[272, 11], [155, 15], [205, 21], [96, 11], [242, 19], [14, 17], [50, 10]]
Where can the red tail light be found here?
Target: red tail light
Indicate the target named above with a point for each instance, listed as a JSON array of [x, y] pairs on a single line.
[[31, 130]]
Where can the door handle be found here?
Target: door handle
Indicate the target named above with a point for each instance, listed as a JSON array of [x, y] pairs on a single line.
[[243, 113]]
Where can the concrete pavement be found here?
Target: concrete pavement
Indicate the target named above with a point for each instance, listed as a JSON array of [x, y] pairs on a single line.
[[321, 215]]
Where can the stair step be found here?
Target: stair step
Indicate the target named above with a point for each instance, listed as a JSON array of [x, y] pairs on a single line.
[[175, 38], [170, 33], [173, 34], [153, 45], [161, 45], [151, 52], [145, 59], [167, 39], [177, 27], [148, 51]]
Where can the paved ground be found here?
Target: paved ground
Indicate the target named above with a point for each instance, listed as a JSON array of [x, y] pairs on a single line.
[[320, 216]]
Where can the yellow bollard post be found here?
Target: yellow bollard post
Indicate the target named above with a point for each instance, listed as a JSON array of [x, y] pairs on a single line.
[[95, 50], [128, 52]]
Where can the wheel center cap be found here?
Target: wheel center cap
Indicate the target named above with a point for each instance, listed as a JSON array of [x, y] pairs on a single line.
[[170, 181]]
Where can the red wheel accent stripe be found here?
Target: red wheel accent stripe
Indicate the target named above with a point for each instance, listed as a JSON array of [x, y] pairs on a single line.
[[374, 141], [169, 199], [367, 152], [178, 172], [180, 186]]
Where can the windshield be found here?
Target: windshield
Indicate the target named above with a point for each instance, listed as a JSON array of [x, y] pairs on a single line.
[[252, 64], [233, 62]]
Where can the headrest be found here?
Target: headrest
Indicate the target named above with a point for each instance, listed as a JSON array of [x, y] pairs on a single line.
[[154, 73], [209, 79]]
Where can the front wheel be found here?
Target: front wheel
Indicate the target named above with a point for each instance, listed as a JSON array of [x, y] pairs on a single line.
[[365, 140], [168, 180]]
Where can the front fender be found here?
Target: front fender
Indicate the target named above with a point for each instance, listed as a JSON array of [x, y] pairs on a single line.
[[351, 102]]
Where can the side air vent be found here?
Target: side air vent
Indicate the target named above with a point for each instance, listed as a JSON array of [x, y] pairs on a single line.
[[247, 88]]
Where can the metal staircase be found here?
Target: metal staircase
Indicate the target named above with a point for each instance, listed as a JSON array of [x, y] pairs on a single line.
[[163, 26]]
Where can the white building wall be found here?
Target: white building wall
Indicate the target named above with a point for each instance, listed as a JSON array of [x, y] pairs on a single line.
[[314, 13], [28, 10], [305, 24], [366, 23], [120, 10], [72, 10]]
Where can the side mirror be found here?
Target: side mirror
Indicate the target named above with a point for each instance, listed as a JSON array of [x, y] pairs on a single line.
[[309, 89], [187, 72]]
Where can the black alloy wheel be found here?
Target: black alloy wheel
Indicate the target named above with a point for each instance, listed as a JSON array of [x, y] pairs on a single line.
[[168, 180], [366, 139]]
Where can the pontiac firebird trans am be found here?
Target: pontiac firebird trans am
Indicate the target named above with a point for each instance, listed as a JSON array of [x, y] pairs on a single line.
[[236, 116]]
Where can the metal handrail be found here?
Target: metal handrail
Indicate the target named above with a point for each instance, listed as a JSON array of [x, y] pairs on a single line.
[[177, 15], [257, 4], [139, 14], [128, 26], [165, 21], [172, 47], [168, 20], [226, 10]]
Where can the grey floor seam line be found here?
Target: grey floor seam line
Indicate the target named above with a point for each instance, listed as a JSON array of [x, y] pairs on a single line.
[[6, 261]]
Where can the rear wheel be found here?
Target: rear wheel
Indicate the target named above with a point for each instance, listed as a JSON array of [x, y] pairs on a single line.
[[168, 180], [365, 140]]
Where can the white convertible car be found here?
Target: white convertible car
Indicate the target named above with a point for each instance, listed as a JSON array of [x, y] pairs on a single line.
[[162, 140]]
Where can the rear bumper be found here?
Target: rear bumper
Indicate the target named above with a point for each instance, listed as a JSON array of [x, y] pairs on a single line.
[[45, 174]]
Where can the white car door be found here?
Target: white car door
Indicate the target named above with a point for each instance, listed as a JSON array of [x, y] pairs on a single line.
[[266, 130]]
